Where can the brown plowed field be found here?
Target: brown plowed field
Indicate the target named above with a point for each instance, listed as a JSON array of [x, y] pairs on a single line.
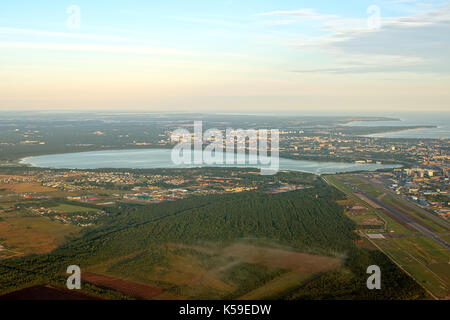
[[46, 293], [132, 289]]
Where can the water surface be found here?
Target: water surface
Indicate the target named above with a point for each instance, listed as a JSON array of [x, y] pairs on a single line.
[[161, 158], [439, 119]]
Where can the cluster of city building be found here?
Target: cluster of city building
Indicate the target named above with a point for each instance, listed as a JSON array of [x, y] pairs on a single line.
[[335, 144], [426, 187], [108, 188], [82, 219]]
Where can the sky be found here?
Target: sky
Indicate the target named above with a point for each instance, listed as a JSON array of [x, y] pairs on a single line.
[[225, 56]]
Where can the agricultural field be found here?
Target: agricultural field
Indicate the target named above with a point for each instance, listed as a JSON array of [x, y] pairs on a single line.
[[129, 288]]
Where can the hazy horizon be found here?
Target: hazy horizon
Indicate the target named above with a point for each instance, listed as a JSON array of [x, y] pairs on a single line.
[[248, 112]]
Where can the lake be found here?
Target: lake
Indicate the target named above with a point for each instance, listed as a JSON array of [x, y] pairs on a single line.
[[161, 158]]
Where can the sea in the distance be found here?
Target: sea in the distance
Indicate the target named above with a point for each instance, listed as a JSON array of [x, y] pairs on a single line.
[[161, 158], [439, 119]]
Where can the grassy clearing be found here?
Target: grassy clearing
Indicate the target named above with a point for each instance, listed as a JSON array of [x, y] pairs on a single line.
[[196, 272], [370, 190], [279, 258], [426, 260], [68, 208], [279, 286], [390, 224], [245, 277], [361, 185], [25, 187], [410, 210], [34, 235]]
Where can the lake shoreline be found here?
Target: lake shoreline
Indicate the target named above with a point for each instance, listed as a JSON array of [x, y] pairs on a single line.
[[161, 159]]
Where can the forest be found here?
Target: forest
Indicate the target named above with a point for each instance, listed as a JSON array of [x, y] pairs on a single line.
[[306, 220]]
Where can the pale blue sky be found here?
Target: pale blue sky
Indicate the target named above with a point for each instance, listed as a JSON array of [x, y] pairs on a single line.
[[225, 55]]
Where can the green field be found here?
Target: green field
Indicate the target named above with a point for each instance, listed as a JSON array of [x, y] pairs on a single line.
[[415, 213], [390, 224], [34, 235], [278, 287], [370, 190], [425, 260], [68, 208]]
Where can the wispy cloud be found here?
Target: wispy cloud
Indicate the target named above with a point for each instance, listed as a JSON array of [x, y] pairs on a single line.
[[300, 13], [92, 47], [417, 43], [209, 21], [7, 31]]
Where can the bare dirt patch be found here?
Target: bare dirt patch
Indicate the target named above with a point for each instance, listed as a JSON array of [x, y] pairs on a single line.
[[46, 293], [132, 289]]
